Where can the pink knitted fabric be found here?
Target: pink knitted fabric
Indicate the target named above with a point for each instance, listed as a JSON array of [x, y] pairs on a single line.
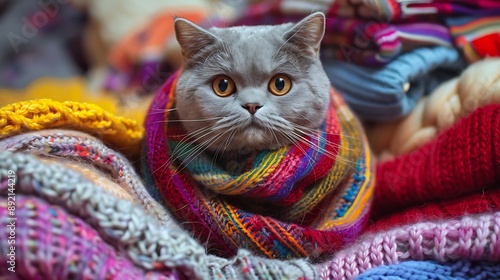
[[471, 238]]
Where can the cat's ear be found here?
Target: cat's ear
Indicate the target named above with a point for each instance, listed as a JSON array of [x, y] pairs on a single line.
[[307, 34], [192, 38]]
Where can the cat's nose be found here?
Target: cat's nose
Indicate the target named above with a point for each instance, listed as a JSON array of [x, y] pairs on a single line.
[[252, 107]]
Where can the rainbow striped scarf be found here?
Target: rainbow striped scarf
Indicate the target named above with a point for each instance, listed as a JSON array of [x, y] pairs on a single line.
[[293, 202]]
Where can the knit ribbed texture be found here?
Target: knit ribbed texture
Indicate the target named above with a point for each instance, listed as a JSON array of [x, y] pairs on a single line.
[[463, 160], [311, 202], [67, 227], [121, 133], [475, 238], [414, 270], [85, 150], [485, 201]]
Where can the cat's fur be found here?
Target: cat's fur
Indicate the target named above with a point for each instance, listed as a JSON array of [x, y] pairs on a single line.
[[251, 56]]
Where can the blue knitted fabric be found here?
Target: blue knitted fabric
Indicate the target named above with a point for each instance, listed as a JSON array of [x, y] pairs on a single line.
[[377, 94], [421, 270]]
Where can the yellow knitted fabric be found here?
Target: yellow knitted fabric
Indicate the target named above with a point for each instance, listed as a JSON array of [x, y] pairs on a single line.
[[58, 89], [123, 134], [75, 89]]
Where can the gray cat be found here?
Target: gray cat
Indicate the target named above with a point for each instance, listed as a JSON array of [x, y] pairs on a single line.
[[251, 88]]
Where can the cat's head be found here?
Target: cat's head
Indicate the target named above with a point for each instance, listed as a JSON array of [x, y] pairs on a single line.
[[251, 88]]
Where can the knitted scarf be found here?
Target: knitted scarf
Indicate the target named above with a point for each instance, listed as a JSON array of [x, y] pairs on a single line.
[[293, 202]]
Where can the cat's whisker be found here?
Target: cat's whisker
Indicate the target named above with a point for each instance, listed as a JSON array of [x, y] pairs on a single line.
[[349, 163], [186, 138], [191, 120], [194, 133], [316, 136], [285, 134], [224, 145], [183, 165], [229, 140], [320, 149], [306, 141], [158, 110], [176, 150], [226, 122], [162, 167], [199, 149], [293, 140], [313, 145], [280, 122], [294, 116], [315, 130], [185, 150], [205, 131], [270, 128]]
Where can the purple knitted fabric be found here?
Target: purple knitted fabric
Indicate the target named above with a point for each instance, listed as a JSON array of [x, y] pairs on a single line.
[[475, 238], [52, 244]]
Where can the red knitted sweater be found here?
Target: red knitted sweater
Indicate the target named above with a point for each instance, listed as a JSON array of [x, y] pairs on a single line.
[[456, 174]]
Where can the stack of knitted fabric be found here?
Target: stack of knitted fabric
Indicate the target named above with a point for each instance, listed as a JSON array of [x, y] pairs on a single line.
[[82, 211], [69, 226], [384, 55], [477, 86], [75, 193], [61, 214]]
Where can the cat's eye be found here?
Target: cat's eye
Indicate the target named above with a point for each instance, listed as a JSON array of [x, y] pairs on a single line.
[[280, 85], [223, 86]]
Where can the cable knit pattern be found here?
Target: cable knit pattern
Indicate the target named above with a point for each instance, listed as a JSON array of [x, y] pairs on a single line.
[[41, 114], [474, 238]]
